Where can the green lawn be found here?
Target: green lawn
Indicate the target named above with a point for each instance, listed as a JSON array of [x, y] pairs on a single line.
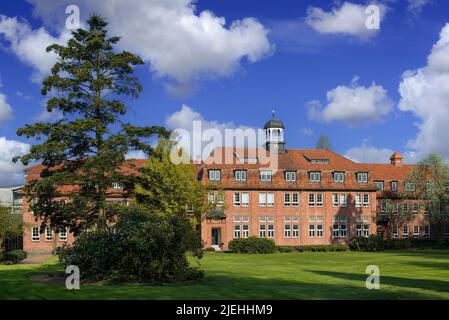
[[339, 275]]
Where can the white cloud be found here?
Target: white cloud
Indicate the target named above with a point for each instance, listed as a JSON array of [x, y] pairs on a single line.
[[425, 93], [11, 173], [185, 118], [5, 108], [348, 19], [30, 45], [369, 154], [416, 6], [307, 132], [353, 105], [182, 46]]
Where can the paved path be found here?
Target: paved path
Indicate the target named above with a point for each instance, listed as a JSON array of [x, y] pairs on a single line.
[[36, 258]]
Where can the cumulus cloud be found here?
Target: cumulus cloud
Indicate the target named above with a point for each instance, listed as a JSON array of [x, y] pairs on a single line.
[[11, 173], [5, 108], [352, 105], [425, 93], [416, 6], [181, 45], [307, 132], [348, 19], [369, 154], [192, 122], [30, 45]]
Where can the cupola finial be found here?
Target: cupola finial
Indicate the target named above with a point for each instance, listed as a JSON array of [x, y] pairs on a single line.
[[273, 111]]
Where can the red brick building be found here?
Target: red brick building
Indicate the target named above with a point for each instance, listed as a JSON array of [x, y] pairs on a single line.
[[308, 197]]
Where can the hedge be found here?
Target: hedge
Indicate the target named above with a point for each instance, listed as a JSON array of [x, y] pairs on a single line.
[[314, 248], [252, 245], [13, 257]]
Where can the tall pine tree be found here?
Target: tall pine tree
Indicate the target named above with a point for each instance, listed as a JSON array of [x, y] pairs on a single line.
[[86, 148]]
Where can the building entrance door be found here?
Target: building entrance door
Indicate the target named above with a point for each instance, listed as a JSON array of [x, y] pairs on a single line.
[[216, 236]]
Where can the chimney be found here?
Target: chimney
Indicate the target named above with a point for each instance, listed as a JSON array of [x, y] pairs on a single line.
[[396, 159]]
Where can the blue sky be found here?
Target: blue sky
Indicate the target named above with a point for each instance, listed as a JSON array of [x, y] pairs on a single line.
[[311, 61]]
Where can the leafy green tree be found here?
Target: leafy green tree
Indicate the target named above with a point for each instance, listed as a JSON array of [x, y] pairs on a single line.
[[392, 215], [10, 226], [87, 147], [323, 143], [173, 189], [429, 183]]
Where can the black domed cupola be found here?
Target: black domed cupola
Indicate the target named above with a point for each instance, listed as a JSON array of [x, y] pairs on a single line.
[[274, 135]]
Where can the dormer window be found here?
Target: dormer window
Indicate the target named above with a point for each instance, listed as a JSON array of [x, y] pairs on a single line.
[[214, 175], [290, 176], [362, 177], [265, 176], [409, 186], [117, 185], [394, 186], [240, 175], [315, 177], [379, 185], [339, 177], [319, 161]]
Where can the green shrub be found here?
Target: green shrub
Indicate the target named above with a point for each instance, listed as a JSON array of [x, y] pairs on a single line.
[[323, 248], [144, 246], [210, 249], [371, 243], [13, 257], [286, 249], [412, 243], [252, 245]]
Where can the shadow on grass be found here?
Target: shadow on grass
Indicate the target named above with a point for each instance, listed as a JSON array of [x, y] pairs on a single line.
[[16, 284], [429, 284]]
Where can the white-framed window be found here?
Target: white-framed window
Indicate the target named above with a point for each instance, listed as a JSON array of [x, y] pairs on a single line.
[[379, 185], [117, 185], [262, 219], [48, 234], [245, 199], [265, 175], [295, 199], [426, 208], [409, 186], [262, 230], [319, 199], [405, 208], [236, 199], [362, 177], [336, 230], [366, 200], [63, 234], [343, 230], [416, 231], [358, 230], [262, 199], [394, 186], [343, 199], [35, 234], [319, 231], [217, 198], [270, 233], [335, 199], [311, 199], [395, 232], [237, 218], [287, 230], [315, 177], [311, 231], [339, 177], [383, 207], [366, 230], [245, 218], [240, 175], [415, 208], [214, 175], [287, 200], [405, 232], [237, 231], [290, 176], [270, 199], [427, 231], [396, 208], [358, 200], [295, 231], [245, 230]]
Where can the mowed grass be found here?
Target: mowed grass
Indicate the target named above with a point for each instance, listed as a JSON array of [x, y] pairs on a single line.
[[336, 275]]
